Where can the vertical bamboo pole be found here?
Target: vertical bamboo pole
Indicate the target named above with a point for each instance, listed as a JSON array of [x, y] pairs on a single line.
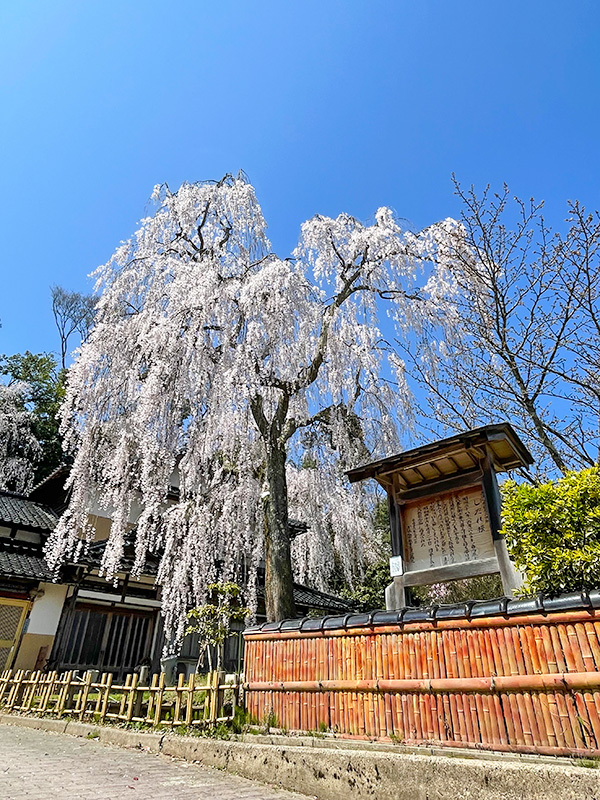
[[159, 699], [214, 693], [133, 691], [100, 686], [106, 698], [124, 697], [83, 696], [152, 690], [30, 692], [178, 696], [189, 710], [66, 679], [4, 683], [51, 679], [14, 690]]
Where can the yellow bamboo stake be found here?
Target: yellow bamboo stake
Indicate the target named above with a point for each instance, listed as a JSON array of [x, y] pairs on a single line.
[[151, 698], [12, 695], [62, 698], [178, 696], [132, 696], [106, 698], [47, 695], [83, 695], [214, 696], [100, 687], [190, 700], [4, 682], [124, 696], [30, 692], [159, 699]]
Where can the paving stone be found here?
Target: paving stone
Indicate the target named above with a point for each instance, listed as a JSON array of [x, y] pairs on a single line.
[[38, 765]]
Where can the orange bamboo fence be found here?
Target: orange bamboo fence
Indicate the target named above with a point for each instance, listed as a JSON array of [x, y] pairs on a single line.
[[528, 682], [195, 702]]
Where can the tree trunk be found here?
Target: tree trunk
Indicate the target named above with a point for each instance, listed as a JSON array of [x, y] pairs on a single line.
[[279, 595]]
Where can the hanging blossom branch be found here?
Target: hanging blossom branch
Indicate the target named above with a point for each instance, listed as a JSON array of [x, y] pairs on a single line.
[[19, 448]]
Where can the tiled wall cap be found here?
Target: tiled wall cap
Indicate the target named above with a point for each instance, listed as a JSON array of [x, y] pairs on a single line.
[[270, 626], [489, 608], [525, 605], [567, 602], [358, 620], [330, 623], [253, 629], [312, 624], [291, 625], [416, 615], [386, 617], [454, 611]]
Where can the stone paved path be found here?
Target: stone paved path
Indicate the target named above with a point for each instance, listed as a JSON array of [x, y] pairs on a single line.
[[50, 766]]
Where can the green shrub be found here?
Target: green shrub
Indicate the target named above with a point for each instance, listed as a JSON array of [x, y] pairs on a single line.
[[553, 532]]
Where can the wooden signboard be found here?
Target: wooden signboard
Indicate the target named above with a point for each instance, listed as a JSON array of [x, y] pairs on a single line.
[[445, 508]]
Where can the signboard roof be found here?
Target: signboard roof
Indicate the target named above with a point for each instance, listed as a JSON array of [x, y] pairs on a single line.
[[452, 456]]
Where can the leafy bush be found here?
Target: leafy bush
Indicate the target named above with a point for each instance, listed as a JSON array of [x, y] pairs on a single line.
[[369, 594], [553, 532]]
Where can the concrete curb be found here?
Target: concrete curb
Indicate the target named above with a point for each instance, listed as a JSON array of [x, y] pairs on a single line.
[[352, 772]]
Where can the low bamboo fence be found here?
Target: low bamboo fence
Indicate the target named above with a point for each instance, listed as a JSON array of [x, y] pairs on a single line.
[[528, 683], [82, 696]]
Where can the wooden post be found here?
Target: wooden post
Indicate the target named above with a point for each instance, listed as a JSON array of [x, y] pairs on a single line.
[[395, 594], [512, 580]]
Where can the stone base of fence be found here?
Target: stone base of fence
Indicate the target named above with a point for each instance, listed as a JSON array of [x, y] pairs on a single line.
[[333, 769]]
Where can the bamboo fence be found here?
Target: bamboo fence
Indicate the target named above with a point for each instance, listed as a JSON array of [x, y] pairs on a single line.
[[528, 684], [80, 696]]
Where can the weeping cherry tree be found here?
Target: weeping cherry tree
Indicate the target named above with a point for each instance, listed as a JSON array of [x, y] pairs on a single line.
[[255, 380], [19, 448]]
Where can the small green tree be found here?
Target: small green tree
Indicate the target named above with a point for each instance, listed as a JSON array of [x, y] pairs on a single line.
[[553, 532], [212, 621]]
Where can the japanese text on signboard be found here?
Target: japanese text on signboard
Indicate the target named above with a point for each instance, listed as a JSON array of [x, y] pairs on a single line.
[[452, 528]]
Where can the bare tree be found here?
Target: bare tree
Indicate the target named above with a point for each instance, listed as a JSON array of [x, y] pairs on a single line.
[[73, 313], [528, 350]]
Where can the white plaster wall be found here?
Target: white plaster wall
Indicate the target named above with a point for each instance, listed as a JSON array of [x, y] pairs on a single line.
[[46, 610]]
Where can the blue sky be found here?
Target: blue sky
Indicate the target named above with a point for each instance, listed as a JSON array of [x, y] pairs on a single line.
[[327, 105]]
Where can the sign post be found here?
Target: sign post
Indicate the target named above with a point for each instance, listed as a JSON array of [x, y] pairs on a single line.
[[444, 507]]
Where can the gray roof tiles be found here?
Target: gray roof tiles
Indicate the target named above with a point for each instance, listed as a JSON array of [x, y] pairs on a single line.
[[24, 513], [20, 563]]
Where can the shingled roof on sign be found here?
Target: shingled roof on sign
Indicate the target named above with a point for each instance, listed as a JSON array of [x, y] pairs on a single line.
[[17, 511], [447, 457]]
